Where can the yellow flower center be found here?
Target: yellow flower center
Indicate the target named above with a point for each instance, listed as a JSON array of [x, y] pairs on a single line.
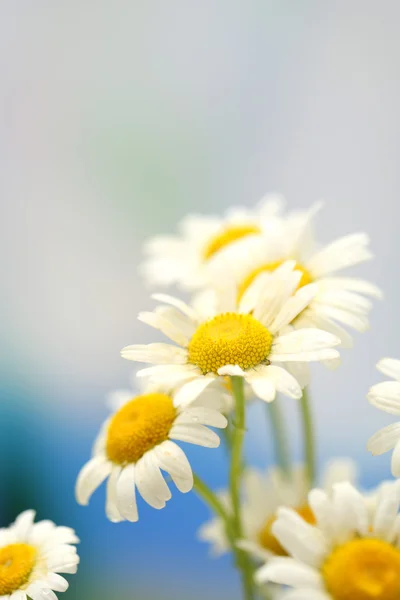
[[16, 564], [267, 540], [139, 426], [306, 277], [227, 236], [229, 339], [363, 569]]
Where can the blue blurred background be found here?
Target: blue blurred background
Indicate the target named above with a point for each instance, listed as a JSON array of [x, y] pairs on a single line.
[[118, 118]]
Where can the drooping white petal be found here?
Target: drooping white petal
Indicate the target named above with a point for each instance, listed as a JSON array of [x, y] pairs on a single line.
[[157, 354], [57, 583], [389, 367], [126, 494], [386, 396], [262, 386], [173, 460], [37, 593], [18, 595], [112, 511], [385, 439], [282, 380], [231, 371], [91, 477], [150, 482]]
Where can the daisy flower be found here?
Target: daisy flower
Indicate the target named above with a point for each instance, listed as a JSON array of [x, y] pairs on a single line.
[[136, 443], [31, 557], [185, 258], [340, 301], [352, 552], [263, 494], [221, 337], [386, 396]]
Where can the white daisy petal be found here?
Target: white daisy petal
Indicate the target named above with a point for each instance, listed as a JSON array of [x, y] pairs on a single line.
[[386, 396], [173, 460], [293, 307], [23, 523], [395, 462], [190, 391], [351, 284], [202, 415], [389, 367], [112, 511], [261, 384], [288, 571], [159, 354], [195, 434], [340, 254], [351, 512], [306, 594], [231, 370], [91, 477], [18, 595], [384, 440], [57, 583], [150, 482], [386, 512], [302, 541], [303, 341], [163, 324], [126, 494], [37, 593], [179, 304]]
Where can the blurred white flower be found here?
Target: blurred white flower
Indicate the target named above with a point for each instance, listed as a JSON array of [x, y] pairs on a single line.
[[31, 557], [185, 259], [386, 396]]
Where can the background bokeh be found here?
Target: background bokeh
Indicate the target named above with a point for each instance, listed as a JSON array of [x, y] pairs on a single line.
[[116, 119]]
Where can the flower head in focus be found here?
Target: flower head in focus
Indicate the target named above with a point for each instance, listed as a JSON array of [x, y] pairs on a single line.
[[137, 442], [31, 557], [222, 336], [352, 552], [339, 302], [263, 494], [386, 396], [186, 258]]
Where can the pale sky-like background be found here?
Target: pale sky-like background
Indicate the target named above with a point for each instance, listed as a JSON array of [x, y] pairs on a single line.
[[118, 118]]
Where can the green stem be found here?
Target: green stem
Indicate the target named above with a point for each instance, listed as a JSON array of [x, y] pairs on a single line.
[[282, 454], [308, 437], [210, 498], [243, 562]]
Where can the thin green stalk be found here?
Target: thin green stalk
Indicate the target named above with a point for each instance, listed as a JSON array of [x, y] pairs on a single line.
[[243, 562], [308, 437], [281, 448], [210, 498]]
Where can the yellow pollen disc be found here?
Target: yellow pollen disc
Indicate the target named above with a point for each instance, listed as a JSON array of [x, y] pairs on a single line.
[[227, 236], [229, 339], [16, 564], [267, 540], [306, 277], [139, 426], [363, 569]]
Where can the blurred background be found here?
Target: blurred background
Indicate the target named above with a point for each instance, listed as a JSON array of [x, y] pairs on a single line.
[[117, 119]]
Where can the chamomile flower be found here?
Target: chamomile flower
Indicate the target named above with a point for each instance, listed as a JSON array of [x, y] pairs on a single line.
[[340, 301], [31, 557], [263, 494], [222, 337], [136, 443], [352, 552], [386, 396], [185, 258]]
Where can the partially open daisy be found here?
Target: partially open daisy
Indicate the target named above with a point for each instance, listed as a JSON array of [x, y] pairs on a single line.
[[185, 258], [31, 557], [386, 396], [223, 337], [350, 553], [263, 494], [339, 301], [137, 443]]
